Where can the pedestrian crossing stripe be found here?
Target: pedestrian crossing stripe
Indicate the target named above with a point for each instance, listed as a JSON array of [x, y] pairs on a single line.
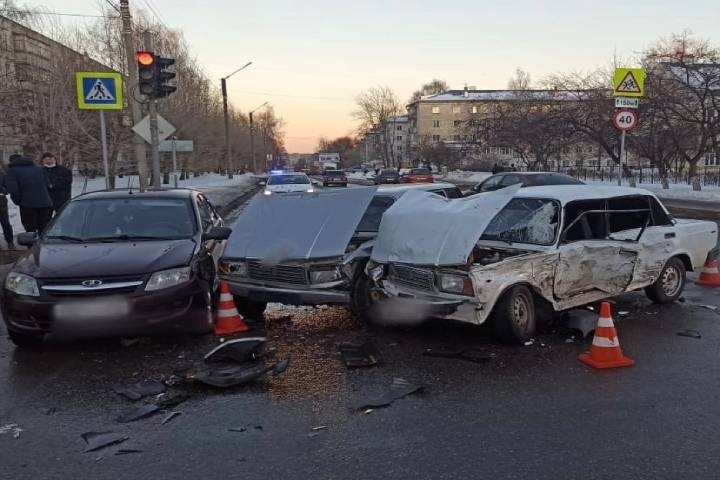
[[99, 90], [628, 84]]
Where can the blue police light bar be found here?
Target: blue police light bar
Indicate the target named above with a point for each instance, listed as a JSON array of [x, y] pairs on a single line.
[[276, 172]]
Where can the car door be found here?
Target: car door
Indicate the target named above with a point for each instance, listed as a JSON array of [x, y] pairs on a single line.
[[211, 250], [591, 266]]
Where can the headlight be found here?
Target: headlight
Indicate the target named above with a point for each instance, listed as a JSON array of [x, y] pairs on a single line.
[[267, 192], [459, 284], [310, 190], [237, 269], [168, 278], [324, 276], [22, 284]]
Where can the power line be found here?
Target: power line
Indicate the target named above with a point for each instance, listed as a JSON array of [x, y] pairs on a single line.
[[33, 12], [113, 6], [313, 97], [155, 14], [158, 12]]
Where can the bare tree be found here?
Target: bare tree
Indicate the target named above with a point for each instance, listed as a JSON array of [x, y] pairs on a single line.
[[433, 87], [521, 80], [377, 108]]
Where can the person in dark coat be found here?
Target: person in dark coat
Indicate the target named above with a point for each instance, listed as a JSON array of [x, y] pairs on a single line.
[[59, 181], [5, 215], [28, 187]]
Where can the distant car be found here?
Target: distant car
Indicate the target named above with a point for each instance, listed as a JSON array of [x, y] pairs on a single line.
[[355, 169], [334, 177], [418, 175], [288, 182], [387, 175], [527, 179], [118, 263]]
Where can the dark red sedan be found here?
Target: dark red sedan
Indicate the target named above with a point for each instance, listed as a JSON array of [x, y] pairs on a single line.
[[418, 175]]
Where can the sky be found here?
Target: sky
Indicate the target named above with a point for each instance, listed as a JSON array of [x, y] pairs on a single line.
[[312, 57]]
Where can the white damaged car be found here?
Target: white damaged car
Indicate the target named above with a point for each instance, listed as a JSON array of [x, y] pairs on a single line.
[[511, 255]]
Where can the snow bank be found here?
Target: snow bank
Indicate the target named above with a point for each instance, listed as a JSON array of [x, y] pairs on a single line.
[[677, 191], [468, 177]]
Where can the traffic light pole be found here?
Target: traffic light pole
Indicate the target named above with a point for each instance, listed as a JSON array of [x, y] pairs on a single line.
[[154, 137]]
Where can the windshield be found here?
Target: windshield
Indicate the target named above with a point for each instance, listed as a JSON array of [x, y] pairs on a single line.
[[389, 172], [127, 218], [370, 222], [288, 180], [419, 171], [525, 220], [551, 179]]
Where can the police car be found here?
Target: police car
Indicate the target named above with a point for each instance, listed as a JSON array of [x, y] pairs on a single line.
[[286, 182]]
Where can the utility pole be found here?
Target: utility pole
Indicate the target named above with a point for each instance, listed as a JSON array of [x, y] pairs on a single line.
[[131, 81], [154, 137], [223, 88], [252, 144]]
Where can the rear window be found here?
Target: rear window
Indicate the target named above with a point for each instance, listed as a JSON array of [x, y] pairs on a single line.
[[420, 171], [551, 179], [288, 180], [389, 172], [336, 173], [370, 222]]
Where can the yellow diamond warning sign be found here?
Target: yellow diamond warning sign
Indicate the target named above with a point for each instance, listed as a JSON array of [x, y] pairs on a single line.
[[629, 82]]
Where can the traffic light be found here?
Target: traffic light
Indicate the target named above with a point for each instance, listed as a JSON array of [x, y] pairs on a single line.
[[153, 75], [146, 73], [163, 76]]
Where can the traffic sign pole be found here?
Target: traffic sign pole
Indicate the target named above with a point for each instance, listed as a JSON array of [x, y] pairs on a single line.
[[103, 140], [154, 137], [174, 158], [622, 157]]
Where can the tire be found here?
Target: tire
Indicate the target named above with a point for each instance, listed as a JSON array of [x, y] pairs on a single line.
[[26, 340], [514, 317], [204, 308], [670, 284], [250, 309], [363, 300]]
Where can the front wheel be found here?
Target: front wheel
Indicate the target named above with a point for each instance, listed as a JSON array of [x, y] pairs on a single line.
[[514, 317], [250, 309], [670, 284]]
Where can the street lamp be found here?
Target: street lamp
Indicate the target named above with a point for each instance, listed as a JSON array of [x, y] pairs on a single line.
[[252, 137], [223, 87]]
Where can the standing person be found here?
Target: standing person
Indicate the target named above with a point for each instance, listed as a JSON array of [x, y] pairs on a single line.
[[59, 181], [5, 215], [28, 187]]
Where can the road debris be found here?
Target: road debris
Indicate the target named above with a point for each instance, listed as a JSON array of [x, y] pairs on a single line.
[[167, 400], [170, 417], [359, 352], [140, 389], [126, 451], [238, 429], [472, 354], [529, 342], [142, 411], [400, 388], [689, 333], [99, 440], [231, 375], [368, 411], [321, 427], [13, 428], [623, 313], [281, 366], [240, 350]]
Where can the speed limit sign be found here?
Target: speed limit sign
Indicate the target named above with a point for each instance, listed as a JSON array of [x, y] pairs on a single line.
[[625, 119]]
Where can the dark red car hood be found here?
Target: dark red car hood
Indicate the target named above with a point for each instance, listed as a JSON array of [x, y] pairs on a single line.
[[70, 260]]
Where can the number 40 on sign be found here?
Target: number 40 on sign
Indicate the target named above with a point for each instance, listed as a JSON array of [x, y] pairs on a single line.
[[625, 120]]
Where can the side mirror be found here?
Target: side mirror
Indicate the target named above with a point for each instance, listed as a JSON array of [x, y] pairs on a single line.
[[217, 233], [262, 184], [27, 239]]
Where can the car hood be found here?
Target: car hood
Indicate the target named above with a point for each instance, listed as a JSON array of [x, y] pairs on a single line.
[[71, 260], [423, 228], [298, 225]]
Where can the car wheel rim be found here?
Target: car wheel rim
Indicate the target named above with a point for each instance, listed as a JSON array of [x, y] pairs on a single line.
[[521, 312], [671, 281]]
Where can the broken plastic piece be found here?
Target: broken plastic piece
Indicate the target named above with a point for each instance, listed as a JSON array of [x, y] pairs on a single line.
[[360, 352], [321, 427], [400, 388], [98, 440], [232, 375], [690, 333], [240, 429], [281, 366], [170, 417], [140, 412], [474, 355], [168, 401], [140, 389], [126, 451], [241, 350]]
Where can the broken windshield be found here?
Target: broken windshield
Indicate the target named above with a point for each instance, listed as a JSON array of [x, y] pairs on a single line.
[[525, 220]]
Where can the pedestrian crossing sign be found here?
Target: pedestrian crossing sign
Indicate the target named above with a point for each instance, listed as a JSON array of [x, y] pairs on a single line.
[[629, 82], [99, 90]]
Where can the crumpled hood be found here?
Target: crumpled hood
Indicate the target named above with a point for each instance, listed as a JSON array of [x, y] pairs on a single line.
[[298, 225], [423, 228], [75, 260]]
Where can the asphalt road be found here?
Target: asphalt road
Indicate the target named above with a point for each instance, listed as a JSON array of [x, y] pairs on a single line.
[[529, 412]]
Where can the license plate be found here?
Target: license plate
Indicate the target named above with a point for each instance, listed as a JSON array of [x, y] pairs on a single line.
[[91, 309]]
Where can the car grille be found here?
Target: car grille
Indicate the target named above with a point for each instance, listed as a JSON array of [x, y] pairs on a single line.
[[292, 274], [413, 277], [73, 287]]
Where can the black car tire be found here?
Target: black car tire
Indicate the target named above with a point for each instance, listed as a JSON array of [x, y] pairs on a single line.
[[363, 303], [670, 284], [26, 340], [204, 309], [250, 309], [514, 317]]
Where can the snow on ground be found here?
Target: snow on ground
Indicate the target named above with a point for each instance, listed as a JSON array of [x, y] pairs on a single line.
[[207, 183], [361, 176], [677, 191], [460, 176]]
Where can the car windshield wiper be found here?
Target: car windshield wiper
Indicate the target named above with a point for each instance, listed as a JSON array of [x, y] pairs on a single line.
[[67, 238], [124, 238], [496, 238]]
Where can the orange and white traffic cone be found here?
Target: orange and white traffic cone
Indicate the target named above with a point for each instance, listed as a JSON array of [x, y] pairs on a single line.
[[709, 275], [605, 351], [228, 320]]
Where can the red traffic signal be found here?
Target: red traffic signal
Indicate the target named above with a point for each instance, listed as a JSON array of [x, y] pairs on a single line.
[[145, 59]]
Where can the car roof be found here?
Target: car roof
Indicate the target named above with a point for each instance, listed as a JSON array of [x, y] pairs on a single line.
[[568, 193], [287, 173], [150, 193], [397, 190]]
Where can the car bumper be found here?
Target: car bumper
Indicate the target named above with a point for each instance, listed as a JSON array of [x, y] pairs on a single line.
[[451, 307], [289, 295], [165, 311], [329, 184]]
